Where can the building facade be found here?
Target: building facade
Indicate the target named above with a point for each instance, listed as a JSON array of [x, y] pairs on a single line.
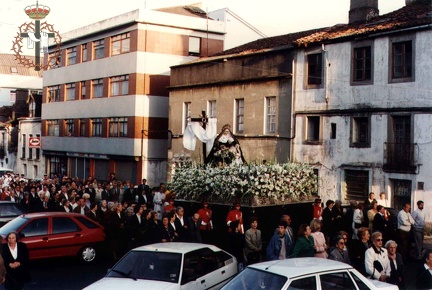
[[18, 83], [358, 106], [105, 102], [363, 106]]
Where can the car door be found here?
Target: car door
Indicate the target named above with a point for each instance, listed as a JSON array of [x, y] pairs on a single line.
[[35, 235], [65, 239], [304, 283], [192, 272], [340, 280]]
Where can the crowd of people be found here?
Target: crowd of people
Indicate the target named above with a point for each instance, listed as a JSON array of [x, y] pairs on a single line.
[[135, 215], [361, 236]]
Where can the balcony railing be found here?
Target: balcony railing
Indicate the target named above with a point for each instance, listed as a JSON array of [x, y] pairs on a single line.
[[400, 157]]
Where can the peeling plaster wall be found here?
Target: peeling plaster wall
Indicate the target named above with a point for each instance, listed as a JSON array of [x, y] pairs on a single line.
[[380, 101]]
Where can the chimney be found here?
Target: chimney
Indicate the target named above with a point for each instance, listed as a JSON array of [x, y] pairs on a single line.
[[363, 10]]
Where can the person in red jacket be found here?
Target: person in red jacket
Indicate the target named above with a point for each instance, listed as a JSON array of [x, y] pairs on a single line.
[[206, 227], [234, 222]]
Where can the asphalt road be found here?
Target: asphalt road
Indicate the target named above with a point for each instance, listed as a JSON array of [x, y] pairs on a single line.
[[65, 273]]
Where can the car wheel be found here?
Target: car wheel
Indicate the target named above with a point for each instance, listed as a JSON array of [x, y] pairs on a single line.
[[88, 254]]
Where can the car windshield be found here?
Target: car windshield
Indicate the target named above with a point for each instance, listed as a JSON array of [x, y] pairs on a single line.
[[158, 266], [13, 225], [10, 209], [256, 279]]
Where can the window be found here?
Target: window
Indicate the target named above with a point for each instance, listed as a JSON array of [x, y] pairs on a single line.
[[303, 283], [402, 60], [54, 94], [53, 127], [71, 55], [356, 184], [362, 64], [313, 129], [83, 90], [96, 127], [82, 128], [333, 131], [315, 69], [194, 45], [211, 109], [337, 281], [63, 225], [119, 85], [270, 115], [69, 127], [98, 49], [118, 127], [55, 59], [97, 87], [70, 91], [30, 150], [120, 44], [84, 52], [239, 115], [23, 147], [186, 113], [36, 227], [360, 132]]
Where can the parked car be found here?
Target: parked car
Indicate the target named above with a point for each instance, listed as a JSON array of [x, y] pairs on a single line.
[[163, 266], [9, 210], [57, 234], [303, 273]]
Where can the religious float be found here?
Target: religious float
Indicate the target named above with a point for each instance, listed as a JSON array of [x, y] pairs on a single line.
[[266, 190]]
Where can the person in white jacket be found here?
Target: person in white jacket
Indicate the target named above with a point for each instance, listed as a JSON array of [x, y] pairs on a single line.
[[377, 263]]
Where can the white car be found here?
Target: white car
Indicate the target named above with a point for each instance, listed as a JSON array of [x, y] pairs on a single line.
[[163, 266], [303, 273]]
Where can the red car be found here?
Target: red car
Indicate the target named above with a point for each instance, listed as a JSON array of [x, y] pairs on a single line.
[[57, 234]]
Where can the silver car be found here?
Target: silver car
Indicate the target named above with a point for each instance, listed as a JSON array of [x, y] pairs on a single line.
[[163, 266]]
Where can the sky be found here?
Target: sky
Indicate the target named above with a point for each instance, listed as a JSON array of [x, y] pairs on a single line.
[[271, 17]]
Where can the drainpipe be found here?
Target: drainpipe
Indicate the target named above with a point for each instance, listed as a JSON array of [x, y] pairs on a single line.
[[294, 115]]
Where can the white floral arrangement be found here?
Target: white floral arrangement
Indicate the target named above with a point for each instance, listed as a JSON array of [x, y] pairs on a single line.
[[252, 184]]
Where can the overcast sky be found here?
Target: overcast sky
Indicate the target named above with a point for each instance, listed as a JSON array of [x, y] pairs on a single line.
[[272, 17]]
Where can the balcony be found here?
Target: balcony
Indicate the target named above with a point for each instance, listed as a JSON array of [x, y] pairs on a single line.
[[400, 157]]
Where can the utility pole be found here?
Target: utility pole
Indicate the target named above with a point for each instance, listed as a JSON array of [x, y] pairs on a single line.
[[203, 120]]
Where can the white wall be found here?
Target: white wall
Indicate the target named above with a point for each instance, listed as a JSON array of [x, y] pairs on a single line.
[[332, 156]]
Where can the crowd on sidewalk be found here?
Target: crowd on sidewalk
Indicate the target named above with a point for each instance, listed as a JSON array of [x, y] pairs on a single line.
[[135, 215]]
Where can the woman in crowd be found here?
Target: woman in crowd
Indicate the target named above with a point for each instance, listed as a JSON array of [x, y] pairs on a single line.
[[396, 265], [166, 233], [305, 245], [377, 264], [154, 225], [253, 242], [320, 241], [16, 258], [359, 248], [340, 253]]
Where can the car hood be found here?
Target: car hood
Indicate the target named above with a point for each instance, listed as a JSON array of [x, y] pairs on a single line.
[[131, 284], [383, 286]]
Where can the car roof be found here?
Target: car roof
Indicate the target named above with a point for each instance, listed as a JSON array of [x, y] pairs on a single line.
[[295, 267], [176, 247], [48, 214]]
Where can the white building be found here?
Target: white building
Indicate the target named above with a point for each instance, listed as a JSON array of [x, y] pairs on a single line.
[[17, 82], [363, 106], [105, 106]]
